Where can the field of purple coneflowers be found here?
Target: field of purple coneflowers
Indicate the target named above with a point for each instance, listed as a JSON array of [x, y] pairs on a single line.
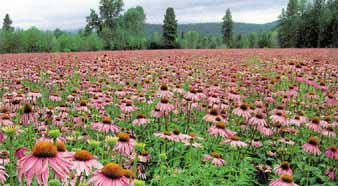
[[170, 117]]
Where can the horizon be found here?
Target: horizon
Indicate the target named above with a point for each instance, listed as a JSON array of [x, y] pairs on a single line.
[[36, 13]]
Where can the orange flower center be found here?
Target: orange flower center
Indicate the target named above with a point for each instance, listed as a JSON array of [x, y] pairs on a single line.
[[5, 117], [316, 120], [313, 141], [214, 112], [285, 165], [220, 125], [167, 133], [216, 155], [113, 171], [140, 116], [129, 174], [106, 120], [27, 108], [44, 149], [61, 146], [164, 87], [83, 155], [244, 106], [287, 178], [235, 138], [124, 137], [176, 131], [164, 100]]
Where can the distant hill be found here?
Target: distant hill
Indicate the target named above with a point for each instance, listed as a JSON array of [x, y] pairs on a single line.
[[213, 28]]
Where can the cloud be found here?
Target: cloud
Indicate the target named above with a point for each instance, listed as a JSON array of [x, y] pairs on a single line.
[[71, 14]]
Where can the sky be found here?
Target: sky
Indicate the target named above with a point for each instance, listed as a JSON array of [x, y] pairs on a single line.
[[71, 14]]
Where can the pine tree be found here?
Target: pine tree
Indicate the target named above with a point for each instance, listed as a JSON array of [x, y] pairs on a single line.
[[7, 24], [227, 28], [170, 29]]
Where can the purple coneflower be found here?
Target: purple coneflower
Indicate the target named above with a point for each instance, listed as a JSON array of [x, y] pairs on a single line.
[[111, 174], [105, 126], [219, 129], [234, 141], [43, 156], [284, 180], [215, 158], [312, 146], [283, 169], [125, 145]]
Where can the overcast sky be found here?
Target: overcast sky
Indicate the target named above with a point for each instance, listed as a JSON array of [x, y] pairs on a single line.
[[70, 14]]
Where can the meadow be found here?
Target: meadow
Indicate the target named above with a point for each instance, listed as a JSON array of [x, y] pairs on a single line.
[[170, 117]]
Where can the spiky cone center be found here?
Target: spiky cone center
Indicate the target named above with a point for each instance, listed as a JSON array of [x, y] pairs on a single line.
[[167, 133], [330, 95], [220, 125], [106, 120], [4, 154], [128, 103], [235, 138], [313, 141], [164, 87], [44, 149], [27, 108], [83, 155], [144, 153], [5, 116], [176, 131], [285, 165], [279, 113], [61, 146], [214, 112], [141, 95], [216, 155], [164, 100], [193, 135], [287, 178], [124, 137], [83, 103], [36, 91], [129, 174], [315, 120], [113, 171], [259, 116], [280, 107], [140, 116], [244, 106], [333, 148], [4, 110], [193, 91]]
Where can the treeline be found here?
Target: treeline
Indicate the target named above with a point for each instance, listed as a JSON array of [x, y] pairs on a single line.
[[35, 40], [309, 23], [305, 23]]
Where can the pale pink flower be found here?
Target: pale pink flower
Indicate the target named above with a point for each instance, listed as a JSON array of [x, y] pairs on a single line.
[[83, 162], [37, 164], [110, 175], [284, 180], [125, 145], [283, 169], [215, 158], [312, 146]]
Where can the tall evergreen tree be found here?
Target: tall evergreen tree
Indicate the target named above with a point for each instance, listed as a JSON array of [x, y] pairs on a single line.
[[227, 28], [170, 29], [7, 24]]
